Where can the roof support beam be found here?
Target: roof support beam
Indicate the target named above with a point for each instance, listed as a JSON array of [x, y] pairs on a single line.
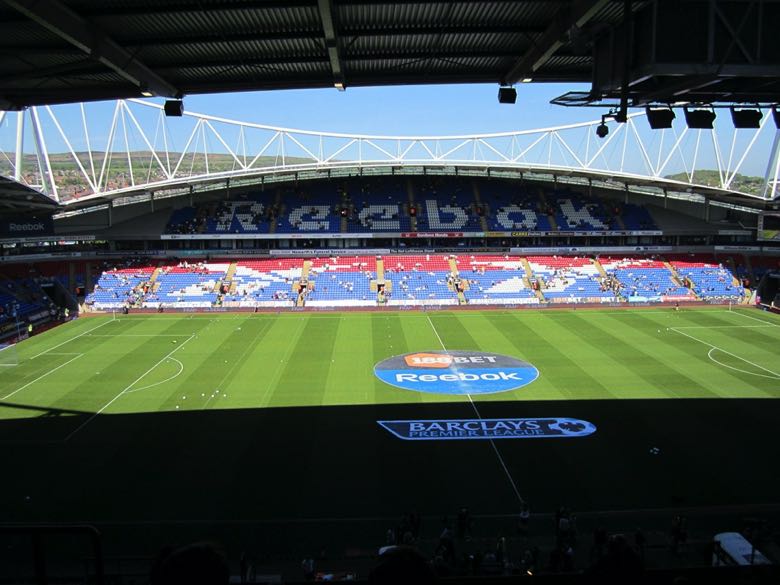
[[576, 15], [331, 42], [69, 26]]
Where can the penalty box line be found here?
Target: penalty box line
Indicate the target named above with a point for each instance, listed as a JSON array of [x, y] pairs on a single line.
[[742, 314], [129, 387], [479, 416], [70, 340], [747, 361], [30, 383]]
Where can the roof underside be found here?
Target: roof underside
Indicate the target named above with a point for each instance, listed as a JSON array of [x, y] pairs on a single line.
[[57, 51], [697, 51]]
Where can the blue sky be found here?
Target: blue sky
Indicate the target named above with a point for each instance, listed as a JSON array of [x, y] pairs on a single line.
[[430, 110], [395, 110]]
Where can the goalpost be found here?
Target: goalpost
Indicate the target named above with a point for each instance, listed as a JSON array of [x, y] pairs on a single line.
[[8, 351]]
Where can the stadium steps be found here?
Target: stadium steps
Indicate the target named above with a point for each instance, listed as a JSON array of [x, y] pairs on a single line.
[[380, 270], [478, 199], [599, 267], [464, 284], [529, 278], [749, 268], [304, 281], [687, 282], [733, 269], [675, 275], [529, 274], [550, 216], [227, 280], [231, 271], [153, 277], [279, 205], [410, 197]]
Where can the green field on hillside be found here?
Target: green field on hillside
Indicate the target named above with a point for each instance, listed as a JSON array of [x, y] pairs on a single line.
[[271, 420]]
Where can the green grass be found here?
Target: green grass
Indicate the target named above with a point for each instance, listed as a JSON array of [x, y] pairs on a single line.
[[90, 429], [149, 363]]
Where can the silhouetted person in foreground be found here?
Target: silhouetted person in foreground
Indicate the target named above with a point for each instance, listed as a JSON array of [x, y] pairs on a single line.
[[402, 565], [201, 563], [621, 563]]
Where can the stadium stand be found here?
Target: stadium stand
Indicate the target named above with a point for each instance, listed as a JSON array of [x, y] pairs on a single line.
[[645, 279], [187, 285], [415, 280], [395, 207], [571, 279], [118, 287], [342, 282], [377, 207], [262, 283], [707, 277], [420, 280], [497, 281]]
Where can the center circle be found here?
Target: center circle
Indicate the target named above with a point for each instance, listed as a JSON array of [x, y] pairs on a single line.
[[456, 372]]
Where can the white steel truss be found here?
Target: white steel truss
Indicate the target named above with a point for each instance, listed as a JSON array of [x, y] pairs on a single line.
[[80, 152]]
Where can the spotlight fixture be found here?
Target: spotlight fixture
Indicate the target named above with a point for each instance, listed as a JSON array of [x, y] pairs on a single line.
[[507, 95], [174, 108], [146, 92], [659, 118], [699, 119], [749, 118]]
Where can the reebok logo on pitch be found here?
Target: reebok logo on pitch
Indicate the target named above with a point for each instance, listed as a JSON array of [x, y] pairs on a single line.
[[456, 372]]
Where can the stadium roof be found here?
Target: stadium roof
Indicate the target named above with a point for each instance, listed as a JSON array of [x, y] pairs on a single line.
[[56, 51], [16, 197]]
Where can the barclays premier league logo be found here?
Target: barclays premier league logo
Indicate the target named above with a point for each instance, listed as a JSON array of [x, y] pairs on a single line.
[[456, 372], [488, 428]]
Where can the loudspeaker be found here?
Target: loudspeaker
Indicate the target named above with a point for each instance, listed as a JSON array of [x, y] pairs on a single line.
[[174, 107], [507, 95]]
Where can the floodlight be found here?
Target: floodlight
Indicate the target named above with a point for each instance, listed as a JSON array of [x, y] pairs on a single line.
[[507, 95], [659, 118], [602, 130], [699, 119], [174, 108], [746, 118]]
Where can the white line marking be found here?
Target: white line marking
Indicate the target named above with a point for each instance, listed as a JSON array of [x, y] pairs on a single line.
[[146, 335], [709, 355], [479, 416], [725, 327], [725, 351], [70, 340], [138, 379], [176, 375], [768, 323], [76, 356]]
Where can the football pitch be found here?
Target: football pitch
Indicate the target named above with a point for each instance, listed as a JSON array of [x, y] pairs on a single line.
[[274, 417]]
